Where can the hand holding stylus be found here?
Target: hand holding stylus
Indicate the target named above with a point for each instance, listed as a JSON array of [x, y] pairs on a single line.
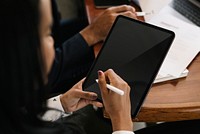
[[117, 106], [114, 89]]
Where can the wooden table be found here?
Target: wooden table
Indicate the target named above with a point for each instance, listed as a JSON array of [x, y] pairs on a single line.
[[168, 101]]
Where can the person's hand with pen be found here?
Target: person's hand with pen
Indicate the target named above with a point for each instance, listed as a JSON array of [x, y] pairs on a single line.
[[117, 106], [100, 26]]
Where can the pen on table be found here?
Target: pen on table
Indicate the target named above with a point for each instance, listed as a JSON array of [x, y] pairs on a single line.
[[114, 89], [142, 13]]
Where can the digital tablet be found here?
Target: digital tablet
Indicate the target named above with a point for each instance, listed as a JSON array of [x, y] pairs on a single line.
[[109, 3], [135, 50]]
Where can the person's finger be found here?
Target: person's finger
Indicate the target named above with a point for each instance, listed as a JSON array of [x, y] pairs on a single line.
[[85, 95], [115, 79], [82, 80], [79, 84], [129, 14], [102, 82], [83, 102], [122, 8], [112, 76], [95, 103]]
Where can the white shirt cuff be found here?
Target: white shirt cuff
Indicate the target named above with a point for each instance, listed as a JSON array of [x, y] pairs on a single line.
[[57, 109], [123, 132]]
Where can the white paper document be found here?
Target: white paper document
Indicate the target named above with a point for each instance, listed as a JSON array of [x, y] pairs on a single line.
[[152, 7], [185, 46]]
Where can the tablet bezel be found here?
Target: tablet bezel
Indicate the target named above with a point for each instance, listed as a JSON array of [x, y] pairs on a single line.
[[154, 73]]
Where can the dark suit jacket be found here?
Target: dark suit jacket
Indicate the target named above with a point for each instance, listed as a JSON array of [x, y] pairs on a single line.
[[72, 61]]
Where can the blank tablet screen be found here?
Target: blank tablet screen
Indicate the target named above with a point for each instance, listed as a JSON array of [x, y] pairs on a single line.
[[135, 50]]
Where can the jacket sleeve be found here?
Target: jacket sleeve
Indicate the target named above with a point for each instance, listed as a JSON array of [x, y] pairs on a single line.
[[72, 62]]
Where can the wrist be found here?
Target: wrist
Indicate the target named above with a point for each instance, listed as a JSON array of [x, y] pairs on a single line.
[[89, 36], [122, 123], [63, 104]]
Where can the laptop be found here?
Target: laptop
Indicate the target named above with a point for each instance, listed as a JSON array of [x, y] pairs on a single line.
[[188, 8], [135, 50]]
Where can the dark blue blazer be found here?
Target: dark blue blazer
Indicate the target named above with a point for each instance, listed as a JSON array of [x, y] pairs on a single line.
[[72, 62]]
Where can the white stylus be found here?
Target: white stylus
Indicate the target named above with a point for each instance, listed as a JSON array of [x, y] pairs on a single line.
[[142, 13], [114, 89]]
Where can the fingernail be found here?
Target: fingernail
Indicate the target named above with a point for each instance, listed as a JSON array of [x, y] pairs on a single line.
[[94, 97], [100, 73]]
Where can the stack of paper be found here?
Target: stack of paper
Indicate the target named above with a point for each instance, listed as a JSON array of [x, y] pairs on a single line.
[[161, 78], [184, 48]]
